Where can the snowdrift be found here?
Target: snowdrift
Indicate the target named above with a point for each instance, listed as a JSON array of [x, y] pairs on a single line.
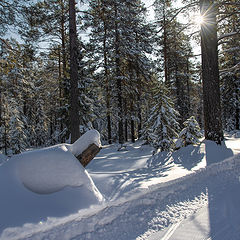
[[49, 182], [143, 213]]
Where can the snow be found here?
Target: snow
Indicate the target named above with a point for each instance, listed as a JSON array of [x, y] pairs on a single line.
[[170, 196], [49, 182], [49, 170], [91, 136], [3, 159]]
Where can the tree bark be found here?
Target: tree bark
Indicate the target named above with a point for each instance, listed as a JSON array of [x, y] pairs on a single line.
[[74, 93], [132, 123], [139, 105], [188, 91], [64, 61], [165, 47], [106, 73], [126, 120], [132, 130], [88, 154], [210, 73], [119, 80], [237, 102]]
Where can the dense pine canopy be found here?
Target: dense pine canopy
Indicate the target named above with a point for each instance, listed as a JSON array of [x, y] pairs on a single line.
[[136, 76]]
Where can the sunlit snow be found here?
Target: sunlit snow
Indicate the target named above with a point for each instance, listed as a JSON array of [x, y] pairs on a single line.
[[193, 191]]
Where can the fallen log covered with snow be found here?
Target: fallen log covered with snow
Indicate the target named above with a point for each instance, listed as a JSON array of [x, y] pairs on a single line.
[[87, 155], [86, 147], [51, 169]]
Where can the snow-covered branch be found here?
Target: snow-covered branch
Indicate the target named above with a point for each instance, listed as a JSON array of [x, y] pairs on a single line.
[[235, 67], [227, 35], [7, 44]]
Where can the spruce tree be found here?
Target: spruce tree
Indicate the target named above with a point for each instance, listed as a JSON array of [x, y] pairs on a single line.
[[229, 73], [190, 134], [174, 54], [162, 126], [120, 37]]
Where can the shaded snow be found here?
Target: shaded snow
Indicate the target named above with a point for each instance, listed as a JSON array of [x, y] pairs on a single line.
[[3, 159], [50, 170]]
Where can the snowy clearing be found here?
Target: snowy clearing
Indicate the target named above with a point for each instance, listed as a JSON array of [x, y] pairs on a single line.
[[165, 196]]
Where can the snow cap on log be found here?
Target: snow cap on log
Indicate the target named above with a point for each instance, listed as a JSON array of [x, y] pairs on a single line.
[[90, 137]]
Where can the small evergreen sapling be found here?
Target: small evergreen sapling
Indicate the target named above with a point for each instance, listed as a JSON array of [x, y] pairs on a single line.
[[190, 134]]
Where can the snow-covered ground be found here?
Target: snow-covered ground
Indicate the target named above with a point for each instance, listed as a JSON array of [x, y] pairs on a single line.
[[193, 193]]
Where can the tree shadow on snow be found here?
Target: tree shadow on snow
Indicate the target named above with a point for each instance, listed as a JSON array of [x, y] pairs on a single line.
[[157, 167], [112, 160], [128, 181], [189, 156], [223, 202]]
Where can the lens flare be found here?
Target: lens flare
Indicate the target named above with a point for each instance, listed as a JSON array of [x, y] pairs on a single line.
[[198, 19]]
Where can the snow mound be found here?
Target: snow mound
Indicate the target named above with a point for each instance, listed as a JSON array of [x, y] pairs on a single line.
[[58, 184], [50, 170]]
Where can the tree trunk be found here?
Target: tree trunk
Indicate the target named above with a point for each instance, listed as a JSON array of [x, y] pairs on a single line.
[[210, 73], [74, 102], [188, 91], [126, 120], [179, 92], [139, 105], [165, 48], [236, 83], [106, 73], [126, 130], [60, 122], [119, 81], [5, 138], [132, 123], [64, 61], [139, 117], [237, 103], [132, 131]]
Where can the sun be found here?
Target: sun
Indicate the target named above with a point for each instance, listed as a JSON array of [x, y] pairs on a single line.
[[198, 19]]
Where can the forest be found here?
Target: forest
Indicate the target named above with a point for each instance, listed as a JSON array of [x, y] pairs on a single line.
[[127, 68]]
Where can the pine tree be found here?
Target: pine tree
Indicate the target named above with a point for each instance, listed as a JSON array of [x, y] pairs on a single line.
[[162, 125], [13, 99], [18, 137], [229, 60], [210, 73], [174, 56], [190, 134], [98, 18], [47, 21], [120, 37], [87, 90]]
